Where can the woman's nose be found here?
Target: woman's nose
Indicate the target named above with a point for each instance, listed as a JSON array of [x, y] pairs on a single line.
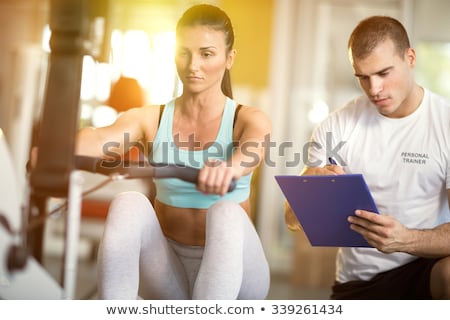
[[194, 62]]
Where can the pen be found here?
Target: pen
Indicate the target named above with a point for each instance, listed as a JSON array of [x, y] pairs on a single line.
[[332, 161]]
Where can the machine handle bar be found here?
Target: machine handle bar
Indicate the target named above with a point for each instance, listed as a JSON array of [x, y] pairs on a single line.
[[134, 169]]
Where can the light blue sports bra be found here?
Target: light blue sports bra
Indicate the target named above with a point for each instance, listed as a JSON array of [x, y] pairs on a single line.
[[178, 193]]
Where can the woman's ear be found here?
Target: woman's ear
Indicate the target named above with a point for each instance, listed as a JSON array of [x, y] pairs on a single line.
[[230, 58]]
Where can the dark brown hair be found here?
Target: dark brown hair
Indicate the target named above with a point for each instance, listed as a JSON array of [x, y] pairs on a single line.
[[372, 31], [216, 18]]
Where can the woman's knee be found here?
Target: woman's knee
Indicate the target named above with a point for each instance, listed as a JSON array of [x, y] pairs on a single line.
[[131, 198], [225, 217], [225, 209], [130, 205]]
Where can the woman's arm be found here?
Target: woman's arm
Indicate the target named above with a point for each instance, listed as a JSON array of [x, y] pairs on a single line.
[[135, 127], [253, 133], [251, 136]]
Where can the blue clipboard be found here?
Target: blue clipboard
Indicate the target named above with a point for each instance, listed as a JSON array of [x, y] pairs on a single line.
[[323, 203]]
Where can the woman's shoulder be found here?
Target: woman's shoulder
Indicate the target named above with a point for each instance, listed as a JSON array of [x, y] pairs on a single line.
[[250, 116], [143, 119], [248, 112], [137, 116]]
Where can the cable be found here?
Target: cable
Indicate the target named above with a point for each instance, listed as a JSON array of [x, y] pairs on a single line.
[[39, 221]]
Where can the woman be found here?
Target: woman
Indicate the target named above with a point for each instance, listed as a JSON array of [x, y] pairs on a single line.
[[197, 241]]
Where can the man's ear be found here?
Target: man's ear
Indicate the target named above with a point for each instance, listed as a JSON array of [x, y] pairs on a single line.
[[411, 57]]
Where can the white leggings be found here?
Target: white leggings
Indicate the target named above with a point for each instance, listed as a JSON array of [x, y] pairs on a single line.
[[136, 260]]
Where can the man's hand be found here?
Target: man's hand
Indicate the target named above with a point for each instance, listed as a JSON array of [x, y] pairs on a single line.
[[329, 169], [383, 232]]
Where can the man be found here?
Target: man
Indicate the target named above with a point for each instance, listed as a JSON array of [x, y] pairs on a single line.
[[398, 137]]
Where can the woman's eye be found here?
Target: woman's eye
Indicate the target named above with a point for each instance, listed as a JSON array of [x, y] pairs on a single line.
[[181, 53]]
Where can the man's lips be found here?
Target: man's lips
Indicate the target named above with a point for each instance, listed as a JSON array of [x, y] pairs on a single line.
[[380, 101]]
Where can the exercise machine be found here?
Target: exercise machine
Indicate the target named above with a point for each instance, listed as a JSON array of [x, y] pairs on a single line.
[[57, 172], [22, 275]]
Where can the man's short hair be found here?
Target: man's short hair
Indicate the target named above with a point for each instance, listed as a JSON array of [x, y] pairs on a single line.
[[372, 31]]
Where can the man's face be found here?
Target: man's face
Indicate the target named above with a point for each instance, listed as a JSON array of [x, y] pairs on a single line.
[[387, 79]]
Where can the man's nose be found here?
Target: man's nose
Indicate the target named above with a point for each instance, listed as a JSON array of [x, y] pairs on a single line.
[[375, 86]]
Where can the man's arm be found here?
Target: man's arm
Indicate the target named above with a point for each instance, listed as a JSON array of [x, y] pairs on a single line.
[[388, 235], [290, 218]]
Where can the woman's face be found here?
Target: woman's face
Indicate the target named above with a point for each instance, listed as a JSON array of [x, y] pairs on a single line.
[[201, 58]]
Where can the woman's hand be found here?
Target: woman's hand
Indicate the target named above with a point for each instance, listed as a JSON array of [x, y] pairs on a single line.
[[215, 177]]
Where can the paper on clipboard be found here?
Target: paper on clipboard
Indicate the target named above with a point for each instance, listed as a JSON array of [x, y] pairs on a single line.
[[323, 203]]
